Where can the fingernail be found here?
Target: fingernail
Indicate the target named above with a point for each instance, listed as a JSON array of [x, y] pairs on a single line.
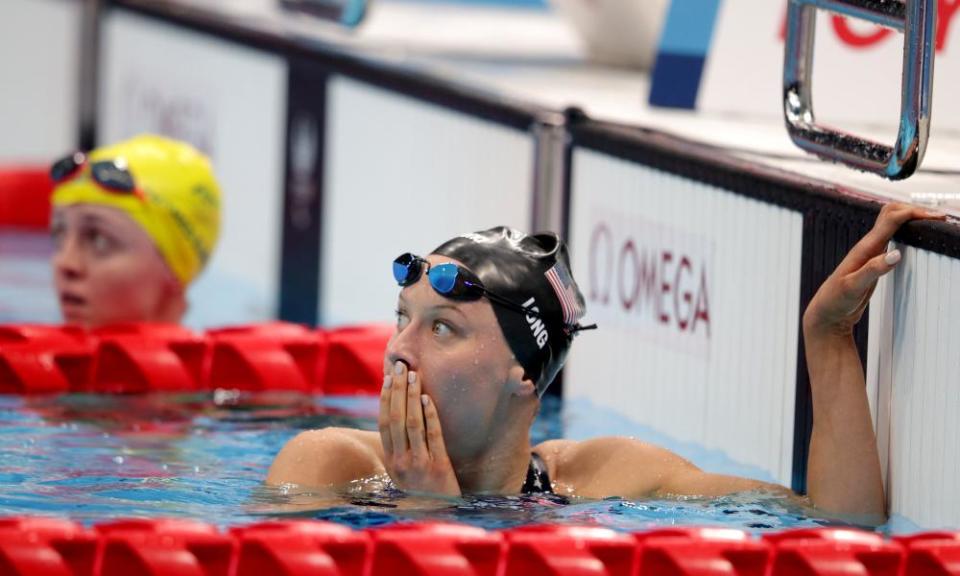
[[424, 399], [411, 377], [892, 257], [398, 368], [387, 380], [935, 213]]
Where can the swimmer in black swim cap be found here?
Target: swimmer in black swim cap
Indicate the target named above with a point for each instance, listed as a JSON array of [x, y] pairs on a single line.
[[484, 324], [526, 278]]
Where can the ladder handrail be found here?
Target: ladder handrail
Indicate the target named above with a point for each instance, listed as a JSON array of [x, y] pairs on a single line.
[[917, 19]]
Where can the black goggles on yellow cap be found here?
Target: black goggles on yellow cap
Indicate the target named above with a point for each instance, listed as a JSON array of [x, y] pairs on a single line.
[[111, 175]]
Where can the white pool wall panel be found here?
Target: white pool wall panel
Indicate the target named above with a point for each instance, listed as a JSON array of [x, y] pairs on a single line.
[[733, 391], [403, 175], [924, 468], [40, 47], [230, 102]]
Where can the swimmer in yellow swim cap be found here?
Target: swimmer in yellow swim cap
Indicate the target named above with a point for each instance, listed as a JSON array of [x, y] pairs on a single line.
[[134, 223]]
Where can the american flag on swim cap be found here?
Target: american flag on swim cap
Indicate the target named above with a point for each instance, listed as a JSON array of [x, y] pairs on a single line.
[[562, 283]]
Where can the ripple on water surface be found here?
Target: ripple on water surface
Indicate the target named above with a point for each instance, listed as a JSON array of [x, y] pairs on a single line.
[[95, 458]]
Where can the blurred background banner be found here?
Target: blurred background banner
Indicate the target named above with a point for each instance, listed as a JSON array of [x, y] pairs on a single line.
[[231, 103], [684, 45], [727, 56], [39, 79], [400, 174]]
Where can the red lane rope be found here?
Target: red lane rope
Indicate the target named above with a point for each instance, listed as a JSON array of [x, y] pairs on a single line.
[[137, 358], [25, 197], [42, 546]]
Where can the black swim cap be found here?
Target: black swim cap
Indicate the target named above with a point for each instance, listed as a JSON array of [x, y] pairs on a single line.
[[533, 271]]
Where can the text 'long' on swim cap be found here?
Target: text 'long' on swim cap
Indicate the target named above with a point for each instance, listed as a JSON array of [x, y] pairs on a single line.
[[533, 271]]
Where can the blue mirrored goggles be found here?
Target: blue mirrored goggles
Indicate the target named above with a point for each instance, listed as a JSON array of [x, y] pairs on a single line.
[[451, 281]]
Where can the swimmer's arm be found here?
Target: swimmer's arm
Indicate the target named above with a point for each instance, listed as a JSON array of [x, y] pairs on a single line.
[[325, 458], [843, 472], [629, 468], [682, 478]]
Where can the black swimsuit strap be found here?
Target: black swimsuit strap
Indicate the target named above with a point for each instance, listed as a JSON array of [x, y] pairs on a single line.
[[538, 480]]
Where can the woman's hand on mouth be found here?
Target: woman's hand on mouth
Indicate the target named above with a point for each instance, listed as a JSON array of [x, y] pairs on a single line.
[[413, 449]]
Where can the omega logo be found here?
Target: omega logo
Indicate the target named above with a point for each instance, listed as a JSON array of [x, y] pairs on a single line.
[[667, 283]]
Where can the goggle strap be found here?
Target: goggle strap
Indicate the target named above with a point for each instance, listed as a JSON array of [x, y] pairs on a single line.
[[573, 330]]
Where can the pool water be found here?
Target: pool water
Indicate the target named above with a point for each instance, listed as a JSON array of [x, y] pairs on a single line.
[[204, 456]]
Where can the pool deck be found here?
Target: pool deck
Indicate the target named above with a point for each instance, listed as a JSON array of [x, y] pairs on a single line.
[[533, 58]]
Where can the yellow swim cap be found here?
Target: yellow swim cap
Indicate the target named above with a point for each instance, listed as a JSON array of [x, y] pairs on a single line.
[[179, 204]]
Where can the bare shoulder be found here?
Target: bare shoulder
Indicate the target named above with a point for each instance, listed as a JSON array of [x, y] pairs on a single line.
[[630, 468], [609, 466], [327, 457]]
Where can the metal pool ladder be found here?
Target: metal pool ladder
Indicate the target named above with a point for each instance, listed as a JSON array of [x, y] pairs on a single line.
[[917, 19]]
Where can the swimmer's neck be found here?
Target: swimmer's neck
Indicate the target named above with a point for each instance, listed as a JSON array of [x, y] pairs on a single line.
[[501, 469]]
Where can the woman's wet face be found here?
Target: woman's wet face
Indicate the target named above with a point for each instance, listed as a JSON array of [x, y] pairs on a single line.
[[106, 268], [460, 355]]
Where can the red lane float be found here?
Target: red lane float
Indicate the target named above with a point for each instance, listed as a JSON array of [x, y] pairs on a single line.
[[834, 552], [275, 356], [43, 359], [702, 552], [550, 549], [300, 548], [931, 553], [824, 534], [353, 359], [139, 358], [153, 547], [435, 549], [46, 547], [25, 197], [164, 547]]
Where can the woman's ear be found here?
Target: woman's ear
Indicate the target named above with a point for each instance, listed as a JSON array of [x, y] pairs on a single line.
[[521, 384]]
